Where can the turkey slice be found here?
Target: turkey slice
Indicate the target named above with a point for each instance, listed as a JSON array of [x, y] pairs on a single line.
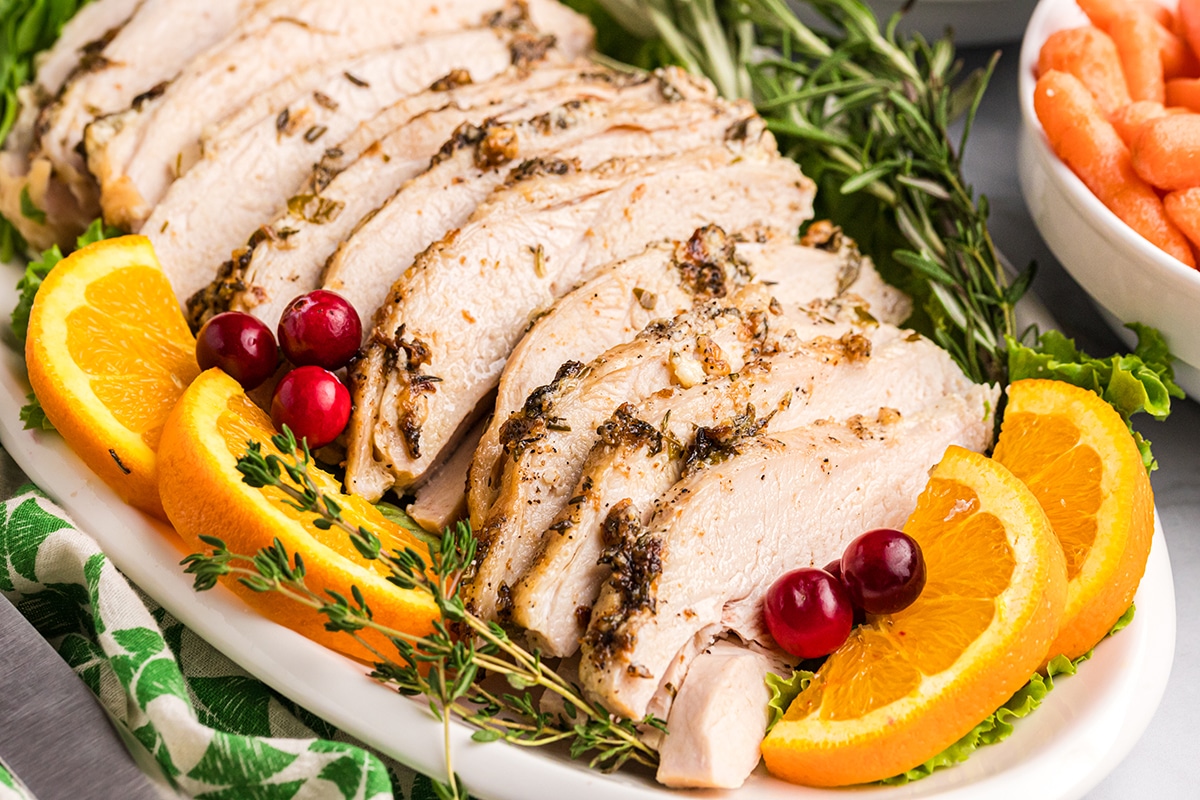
[[625, 473], [135, 155], [645, 115], [453, 318], [359, 174], [271, 145], [547, 442], [721, 536], [661, 282]]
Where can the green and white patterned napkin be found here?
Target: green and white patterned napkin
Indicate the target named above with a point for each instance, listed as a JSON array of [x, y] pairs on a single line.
[[214, 732], [11, 787]]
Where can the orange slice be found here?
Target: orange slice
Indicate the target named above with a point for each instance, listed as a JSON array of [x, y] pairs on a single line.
[[906, 686], [1075, 452], [109, 353], [203, 494]]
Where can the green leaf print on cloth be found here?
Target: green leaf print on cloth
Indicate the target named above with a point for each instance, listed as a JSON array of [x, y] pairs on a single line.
[[10, 787], [214, 731]]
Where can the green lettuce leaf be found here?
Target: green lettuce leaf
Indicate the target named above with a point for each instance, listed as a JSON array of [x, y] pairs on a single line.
[[1142, 381], [394, 513], [30, 282], [36, 272], [784, 691]]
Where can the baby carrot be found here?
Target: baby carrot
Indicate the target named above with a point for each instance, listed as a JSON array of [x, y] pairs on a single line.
[[1189, 21], [1162, 15], [1090, 55], [1183, 207], [1087, 142], [1137, 39], [1113, 17], [1167, 153], [1131, 118], [1103, 13], [1184, 93], [1177, 58]]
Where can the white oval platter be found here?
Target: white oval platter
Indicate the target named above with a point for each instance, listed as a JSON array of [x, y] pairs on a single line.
[[1084, 729]]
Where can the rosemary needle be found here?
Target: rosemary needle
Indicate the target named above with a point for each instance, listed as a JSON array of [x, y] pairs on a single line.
[[867, 114]]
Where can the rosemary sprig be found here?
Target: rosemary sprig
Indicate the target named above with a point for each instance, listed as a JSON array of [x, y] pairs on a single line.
[[868, 115], [447, 666]]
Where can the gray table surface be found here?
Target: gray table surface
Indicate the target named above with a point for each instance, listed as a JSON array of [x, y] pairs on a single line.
[[1165, 764]]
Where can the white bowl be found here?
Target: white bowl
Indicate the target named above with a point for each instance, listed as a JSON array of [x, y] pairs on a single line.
[[973, 22], [1130, 279]]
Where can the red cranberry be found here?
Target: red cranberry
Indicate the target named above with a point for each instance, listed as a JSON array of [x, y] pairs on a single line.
[[313, 403], [241, 345], [321, 329], [884, 571], [808, 612], [834, 568]]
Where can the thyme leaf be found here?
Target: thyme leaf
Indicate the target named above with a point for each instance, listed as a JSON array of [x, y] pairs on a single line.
[[447, 667]]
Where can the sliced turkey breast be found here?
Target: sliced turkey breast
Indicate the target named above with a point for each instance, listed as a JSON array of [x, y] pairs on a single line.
[[272, 145], [458, 312], [150, 49], [626, 470], [721, 536], [388, 232], [442, 499], [718, 719], [136, 155], [352, 179], [21, 181], [661, 282], [547, 442], [93, 24], [667, 113]]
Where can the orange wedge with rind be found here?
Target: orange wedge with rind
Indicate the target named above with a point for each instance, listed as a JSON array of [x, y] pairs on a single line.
[[1075, 453], [904, 687], [204, 494], [109, 353]]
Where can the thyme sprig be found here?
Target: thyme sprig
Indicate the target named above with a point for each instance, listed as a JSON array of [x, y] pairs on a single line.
[[462, 666], [868, 114]]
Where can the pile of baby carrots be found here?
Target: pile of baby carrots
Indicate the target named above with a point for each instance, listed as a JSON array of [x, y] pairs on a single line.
[[1120, 103]]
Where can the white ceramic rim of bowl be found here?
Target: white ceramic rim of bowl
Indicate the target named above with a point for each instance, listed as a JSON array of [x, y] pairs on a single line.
[[1152, 258]]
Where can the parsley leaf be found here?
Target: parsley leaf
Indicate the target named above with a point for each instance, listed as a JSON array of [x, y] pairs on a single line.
[[29, 210], [34, 416], [36, 272], [27, 27]]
